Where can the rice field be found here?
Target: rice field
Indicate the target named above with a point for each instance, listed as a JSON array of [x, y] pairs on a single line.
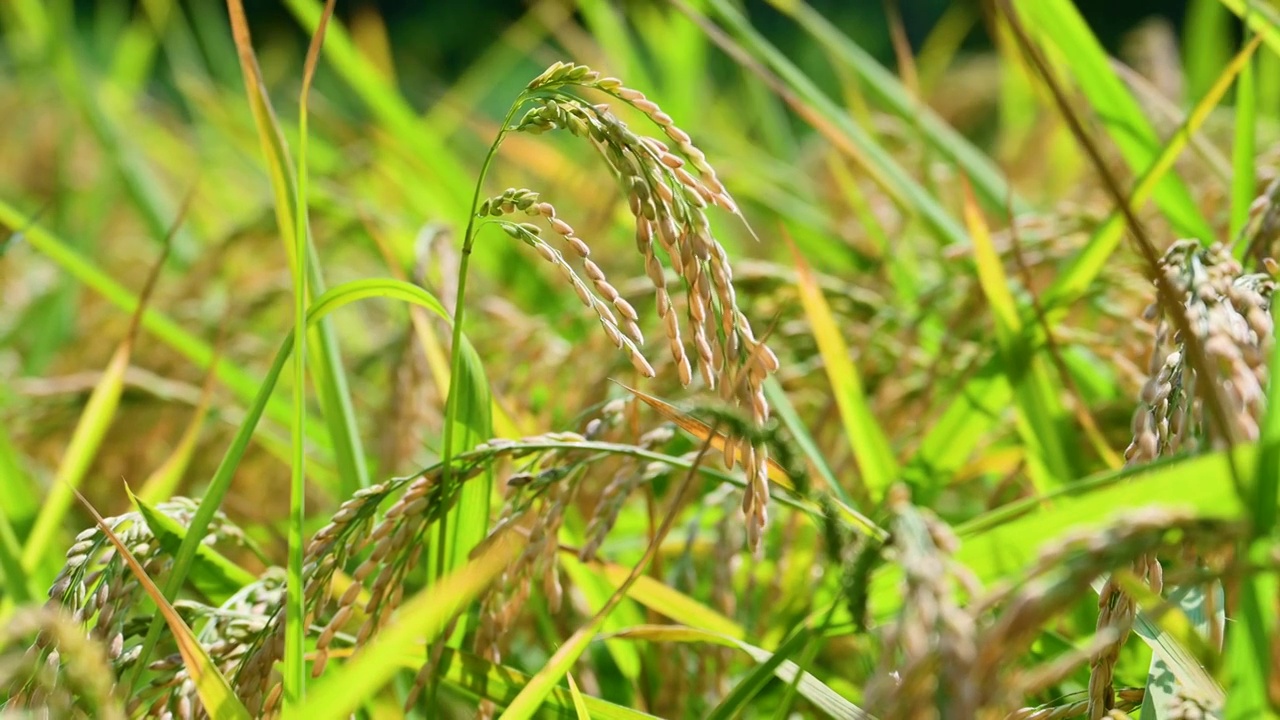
[[645, 367]]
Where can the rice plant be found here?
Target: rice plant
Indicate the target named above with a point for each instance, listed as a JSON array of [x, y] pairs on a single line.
[[891, 413]]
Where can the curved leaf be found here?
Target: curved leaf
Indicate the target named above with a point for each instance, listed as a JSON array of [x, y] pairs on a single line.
[[328, 302], [830, 702]]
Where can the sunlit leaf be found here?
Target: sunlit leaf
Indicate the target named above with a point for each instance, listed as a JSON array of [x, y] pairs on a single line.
[[871, 449], [831, 703]]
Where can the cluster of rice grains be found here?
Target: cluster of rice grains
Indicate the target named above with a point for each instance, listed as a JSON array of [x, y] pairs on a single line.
[[66, 673], [669, 186], [968, 652], [96, 591], [929, 647], [546, 483], [1229, 313], [385, 545], [958, 650], [600, 469]]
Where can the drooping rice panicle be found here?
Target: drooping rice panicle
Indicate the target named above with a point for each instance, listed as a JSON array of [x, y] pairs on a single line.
[[1229, 313], [669, 204]]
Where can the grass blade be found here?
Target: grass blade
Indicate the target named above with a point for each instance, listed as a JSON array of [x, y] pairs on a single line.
[[885, 87], [670, 602], [1058, 24], [786, 412], [1206, 44], [596, 590], [475, 677], [479, 678], [579, 704], [1243, 155], [542, 683], [775, 663], [967, 419], [871, 450], [606, 24], [98, 413], [961, 425], [682, 45], [216, 577], [437, 161], [826, 117], [433, 348], [1249, 660], [737, 700], [1040, 410], [328, 374], [1175, 671], [18, 587], [221, 481], [185, 557], [173, 334], [347, 438], [140, 183], [472, 422], [947, 446], [1074, 281], [943, 43], [1202, 485], [1262, 18], [1249, 651]]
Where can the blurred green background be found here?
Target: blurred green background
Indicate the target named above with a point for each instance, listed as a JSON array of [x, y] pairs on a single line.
[[431, 44]]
